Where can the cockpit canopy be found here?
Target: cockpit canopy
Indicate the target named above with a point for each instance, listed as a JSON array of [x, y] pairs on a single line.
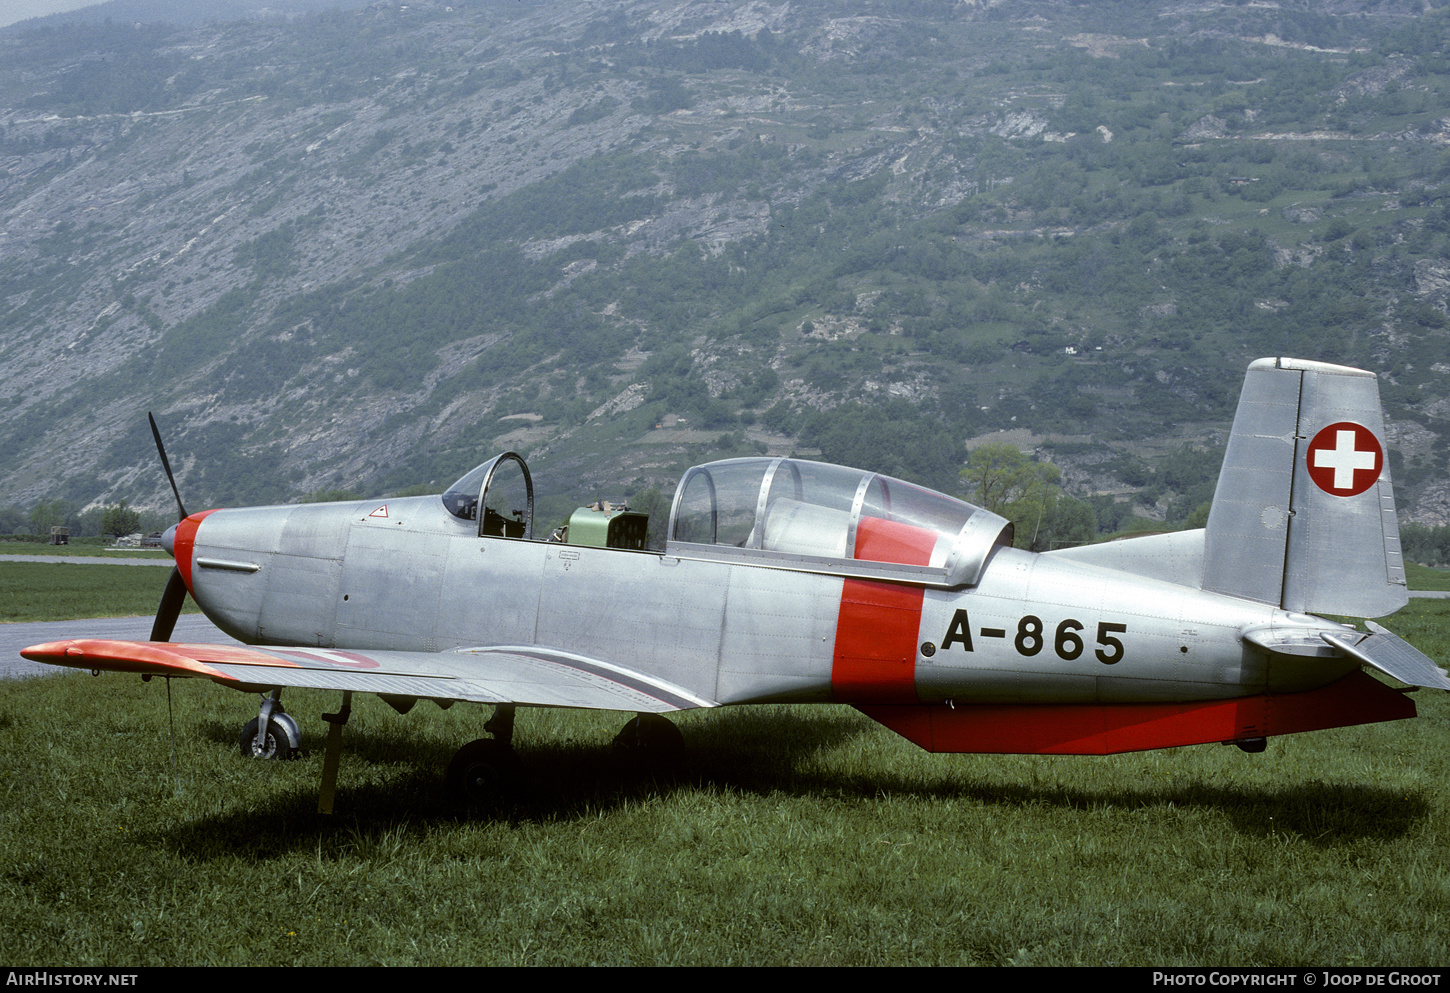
[[789, 513], [783, 514]]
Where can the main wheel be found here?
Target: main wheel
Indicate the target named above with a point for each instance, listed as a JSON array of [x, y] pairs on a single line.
[[650, 739], [483, 770], [281, 742]]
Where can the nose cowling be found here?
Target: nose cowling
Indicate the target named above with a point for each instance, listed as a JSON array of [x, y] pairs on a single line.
[[180, 540]]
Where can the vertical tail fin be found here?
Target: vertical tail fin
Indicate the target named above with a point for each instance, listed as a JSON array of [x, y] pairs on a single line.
[[1304, 516]]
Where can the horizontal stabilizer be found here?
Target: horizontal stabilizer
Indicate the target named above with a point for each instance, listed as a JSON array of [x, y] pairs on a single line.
[[1391, 655], [1293, 640]]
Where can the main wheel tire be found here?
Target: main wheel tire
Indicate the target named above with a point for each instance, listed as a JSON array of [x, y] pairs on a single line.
[[650, 739], [278, 743], [483, 770]]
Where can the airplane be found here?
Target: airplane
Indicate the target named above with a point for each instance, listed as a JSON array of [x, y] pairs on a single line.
[[783, 580]]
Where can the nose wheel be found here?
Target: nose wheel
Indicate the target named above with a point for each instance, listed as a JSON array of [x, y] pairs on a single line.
[[282, 740], [272, 734]]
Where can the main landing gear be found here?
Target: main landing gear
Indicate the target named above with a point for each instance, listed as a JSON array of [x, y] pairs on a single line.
[[485, 768], [481, 771], [488, 768], [273, 734], [649, 741]]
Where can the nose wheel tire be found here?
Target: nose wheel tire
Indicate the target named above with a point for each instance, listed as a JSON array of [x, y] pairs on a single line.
[[281, 741]]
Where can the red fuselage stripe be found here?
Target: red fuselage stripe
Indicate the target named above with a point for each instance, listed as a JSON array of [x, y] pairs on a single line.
[[876, 629], [875, 657]]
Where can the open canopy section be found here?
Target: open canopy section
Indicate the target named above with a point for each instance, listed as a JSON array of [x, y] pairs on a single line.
[[814, 517]]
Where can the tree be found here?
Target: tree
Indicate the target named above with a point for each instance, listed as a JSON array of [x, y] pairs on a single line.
[[657, 505], [1067, 522], [120, 520], [998, 474], [50, 513], [1004, 481], [12, 520], [88, 523]]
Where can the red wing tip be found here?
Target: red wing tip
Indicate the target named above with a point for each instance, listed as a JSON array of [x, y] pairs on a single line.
[[51, 651], [117, 656]]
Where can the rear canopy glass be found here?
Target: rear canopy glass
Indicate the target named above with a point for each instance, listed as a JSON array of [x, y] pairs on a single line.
[[811, 511]]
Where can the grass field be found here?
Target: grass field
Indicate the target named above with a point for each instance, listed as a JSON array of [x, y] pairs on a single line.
[[89, 547], [1424, 578], [789, 835], [59, 591]]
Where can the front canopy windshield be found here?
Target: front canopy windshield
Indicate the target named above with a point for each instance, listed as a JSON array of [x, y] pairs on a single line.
[[508, 491], [461, 498], [814, 511]]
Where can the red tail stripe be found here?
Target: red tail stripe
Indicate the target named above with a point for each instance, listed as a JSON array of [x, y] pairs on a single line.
[[1105, 729]]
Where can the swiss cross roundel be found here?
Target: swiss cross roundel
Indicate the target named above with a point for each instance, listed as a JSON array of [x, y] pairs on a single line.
[[1345, 459]]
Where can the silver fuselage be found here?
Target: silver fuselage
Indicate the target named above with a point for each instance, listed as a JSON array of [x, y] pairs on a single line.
[[1032, 628]]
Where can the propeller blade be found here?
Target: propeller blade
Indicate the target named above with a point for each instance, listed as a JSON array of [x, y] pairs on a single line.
[[175, 594], [170, 608], [166, 464]]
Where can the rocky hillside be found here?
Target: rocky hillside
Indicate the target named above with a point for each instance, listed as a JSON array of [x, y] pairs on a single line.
[[367, 249]]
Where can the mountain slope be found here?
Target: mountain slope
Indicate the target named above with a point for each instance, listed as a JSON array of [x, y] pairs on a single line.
[[368, 249]]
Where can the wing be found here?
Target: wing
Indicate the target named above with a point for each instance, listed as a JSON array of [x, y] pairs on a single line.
[[525, 675]]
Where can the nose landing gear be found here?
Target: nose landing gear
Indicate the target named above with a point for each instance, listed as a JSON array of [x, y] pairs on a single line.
[[272, 734]]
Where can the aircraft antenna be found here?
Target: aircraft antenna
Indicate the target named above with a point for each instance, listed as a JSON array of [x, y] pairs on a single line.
[[171, 727]]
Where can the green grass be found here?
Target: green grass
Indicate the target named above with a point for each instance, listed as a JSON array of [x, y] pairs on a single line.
[[1422, 577], [788, 835], [99, 552], [58, 591]]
